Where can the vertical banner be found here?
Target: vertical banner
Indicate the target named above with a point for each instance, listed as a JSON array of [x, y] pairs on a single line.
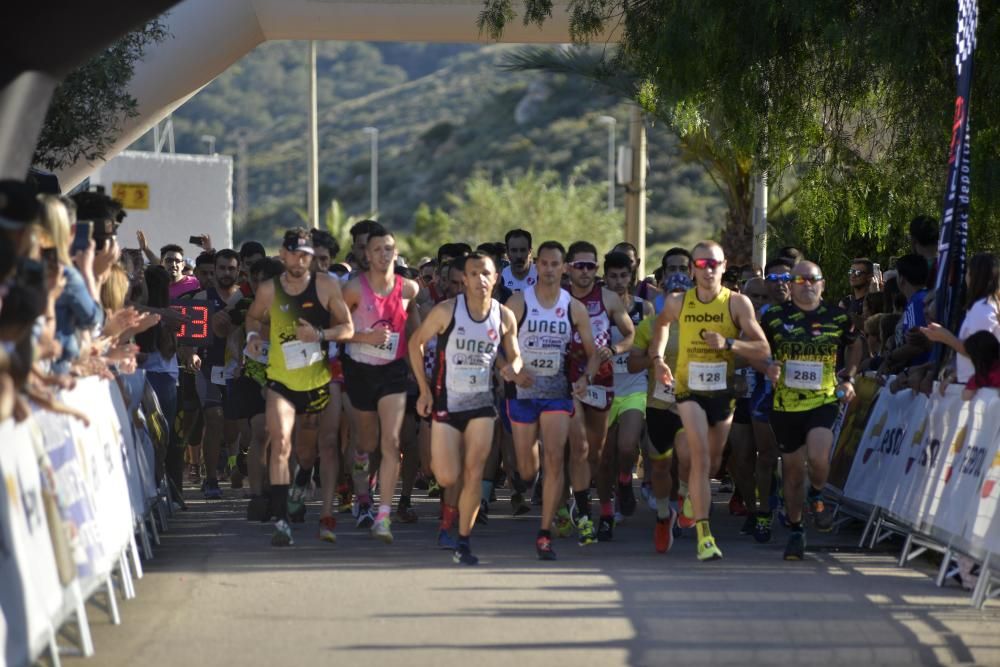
[[950, 280]]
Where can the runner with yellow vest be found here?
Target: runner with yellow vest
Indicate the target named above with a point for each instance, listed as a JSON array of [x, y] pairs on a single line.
[[305, 311], [711, 319]]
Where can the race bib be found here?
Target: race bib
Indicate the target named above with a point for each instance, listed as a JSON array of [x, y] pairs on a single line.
[[704, 376], [386, 351], [664, 392], [620, 362], [803, 374], [468, 379], [299, 354], [262, 358], [595, 396], [543, 362], [219, 375]]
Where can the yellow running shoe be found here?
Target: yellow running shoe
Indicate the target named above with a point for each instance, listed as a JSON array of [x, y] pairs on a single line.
[[707, 550], [563, 523], [686, 518]]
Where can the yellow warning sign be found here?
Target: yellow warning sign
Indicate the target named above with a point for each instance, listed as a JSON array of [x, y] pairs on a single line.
[[131, 195]]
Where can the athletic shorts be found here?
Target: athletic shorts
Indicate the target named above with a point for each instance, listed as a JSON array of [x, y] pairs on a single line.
[[528, 410], [366, 384], [187, 393], [336, 371], [717, 408], [308, 402], [460, 420], [244, 399], [209, 395], [741, 413], [663, 426], [791, 428], [622, 404]]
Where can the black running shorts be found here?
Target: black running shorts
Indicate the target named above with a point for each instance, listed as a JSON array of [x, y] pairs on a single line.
[[366, 384], [791, 428]]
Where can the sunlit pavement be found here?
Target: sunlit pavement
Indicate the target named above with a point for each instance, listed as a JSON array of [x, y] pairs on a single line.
[[217, 593]]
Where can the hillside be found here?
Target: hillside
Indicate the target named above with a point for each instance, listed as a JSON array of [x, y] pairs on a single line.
[[443, 112]]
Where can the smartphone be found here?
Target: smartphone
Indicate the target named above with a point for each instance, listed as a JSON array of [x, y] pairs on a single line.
[[81, 236], [196, 240], [877, 272]]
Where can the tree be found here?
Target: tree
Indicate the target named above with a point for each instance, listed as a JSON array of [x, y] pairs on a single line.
[[431, 229], [485, 211], [87, 109]]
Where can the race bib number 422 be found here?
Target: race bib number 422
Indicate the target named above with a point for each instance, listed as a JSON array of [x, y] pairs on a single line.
[[543, 362]]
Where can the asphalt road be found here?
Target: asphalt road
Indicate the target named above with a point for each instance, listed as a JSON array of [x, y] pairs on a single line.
[[217, 593]]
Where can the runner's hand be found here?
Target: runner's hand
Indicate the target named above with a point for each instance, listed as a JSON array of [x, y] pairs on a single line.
[[424, 404], [379, 336], [580, 387], [662, 371], [605, 353], [716, 341], [195, 362], [848, 389], [306, 332], [255, 346], [774, 371], [524, 379]]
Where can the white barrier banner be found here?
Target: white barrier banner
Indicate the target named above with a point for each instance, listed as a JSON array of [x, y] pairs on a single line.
[[30, 594]]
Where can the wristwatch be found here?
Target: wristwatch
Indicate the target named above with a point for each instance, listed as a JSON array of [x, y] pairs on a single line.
[[729, 343]]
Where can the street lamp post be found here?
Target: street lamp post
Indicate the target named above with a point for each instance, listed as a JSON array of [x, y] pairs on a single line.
[[610, 122], [209, 141], [372, 132]]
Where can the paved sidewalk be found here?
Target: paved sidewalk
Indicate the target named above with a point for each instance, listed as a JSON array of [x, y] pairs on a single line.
[[218, 594]]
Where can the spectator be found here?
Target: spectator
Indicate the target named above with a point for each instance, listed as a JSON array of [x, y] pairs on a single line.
[[172, 259], [860, 276], [983, 349], [911, 350], [982, 280], [204, 269], [924, 238], [792, 253]]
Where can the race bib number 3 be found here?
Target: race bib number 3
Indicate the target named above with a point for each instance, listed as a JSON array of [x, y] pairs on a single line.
[[468, 379], [803, 374], [543, 362], [299, 354], [704, 376], [595, 396], [386, 351]]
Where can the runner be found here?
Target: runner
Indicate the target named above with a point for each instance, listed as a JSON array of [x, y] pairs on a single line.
[[711, 317], [589, 425], [662, 421], [522, 272], [805, 334], [299, 307], [383, 307], [468, 330], [626, 421], [547, 317]]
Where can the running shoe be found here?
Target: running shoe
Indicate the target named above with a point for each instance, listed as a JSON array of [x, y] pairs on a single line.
[[686, 519], [708, 550], [749, 524], [406, 514], [796, 547], [762, 531], [627, 495], [483, 517], [421, 482], [646, 491], [543, 547], [433, 489], [736, 506], [446, 541], [365, 516], [297, 501], [822, 515], [605, 529], [327, 524], [726, 485], [382, 530], [585, 531], [211, 490], [462, 556], [194, 474], [344, 499], [563, 523], [282, 535], [536, 494], [519, 504], [663, 533]]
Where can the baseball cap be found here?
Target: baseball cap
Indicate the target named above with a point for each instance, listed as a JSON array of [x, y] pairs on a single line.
[[678, 282], [18, 205], [296, 243]]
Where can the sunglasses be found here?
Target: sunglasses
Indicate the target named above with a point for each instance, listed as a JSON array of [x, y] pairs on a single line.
[[802, 280], [778, 277], [707, 263], [584, 266], [854, 273], [676, 268]]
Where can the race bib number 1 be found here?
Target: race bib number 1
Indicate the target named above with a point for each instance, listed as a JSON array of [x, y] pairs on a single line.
[[803, 374], [219, 375], [704, 376], [299, 354]]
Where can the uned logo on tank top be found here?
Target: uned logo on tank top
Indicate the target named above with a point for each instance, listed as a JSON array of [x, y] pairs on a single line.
[[560, 312], [460, 331], [492, 334], [531, 281]]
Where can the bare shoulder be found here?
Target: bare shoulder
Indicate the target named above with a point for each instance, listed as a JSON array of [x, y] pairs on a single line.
[[611, 300], [410, 288]]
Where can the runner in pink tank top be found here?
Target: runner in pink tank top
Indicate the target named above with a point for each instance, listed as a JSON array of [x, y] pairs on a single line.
[[376, 311]]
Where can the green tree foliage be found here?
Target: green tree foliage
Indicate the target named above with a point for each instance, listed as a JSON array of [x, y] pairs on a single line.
[[431, 229], [90, 105], [486, 210]]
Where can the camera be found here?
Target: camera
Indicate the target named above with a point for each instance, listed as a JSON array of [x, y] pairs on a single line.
[[106, 213]]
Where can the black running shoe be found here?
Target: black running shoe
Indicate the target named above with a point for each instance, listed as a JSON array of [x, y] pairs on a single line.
[[606, 529], [796, 547], [463, 556], [749, 525], [543, 547], [483, 517], [626, 494]]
